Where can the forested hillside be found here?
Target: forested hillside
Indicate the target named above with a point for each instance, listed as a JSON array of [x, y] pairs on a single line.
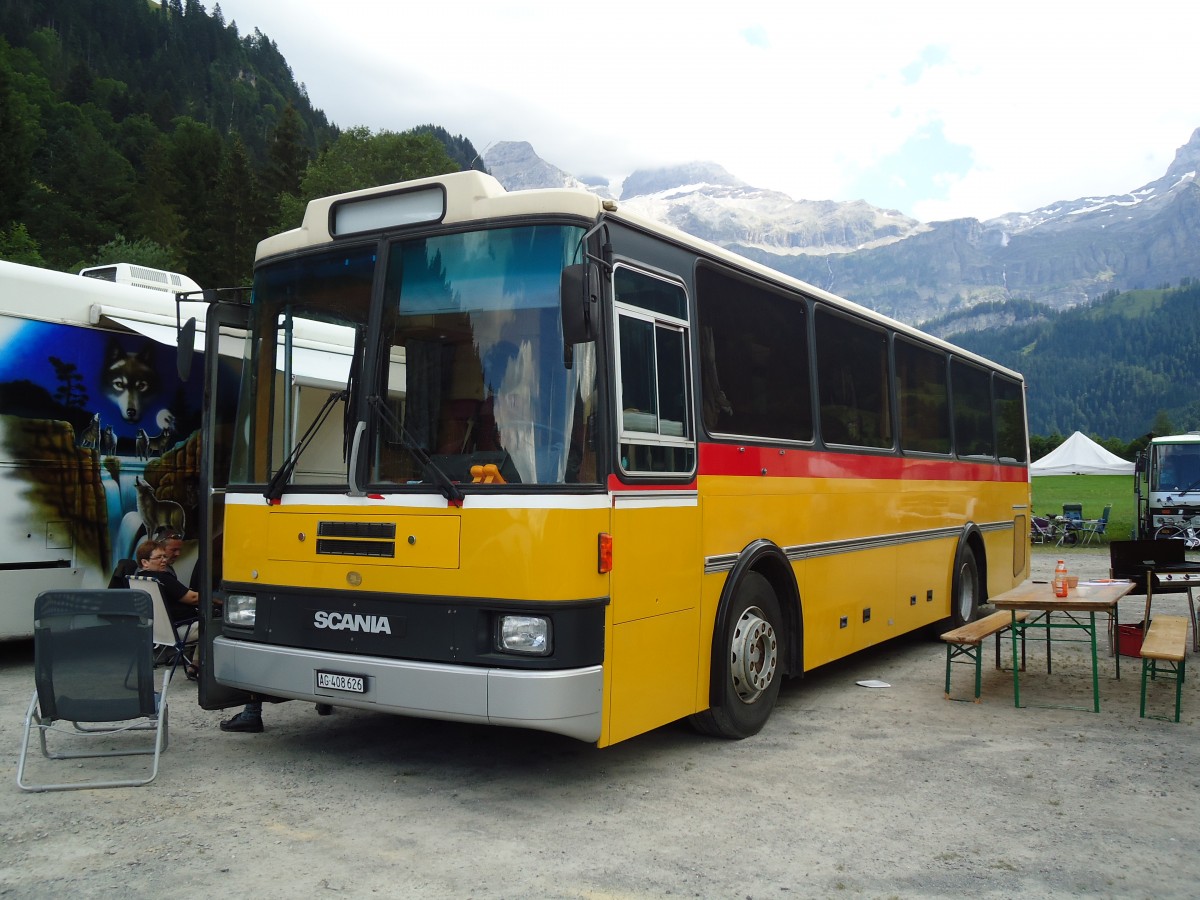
[[1111, 368], [159, 134]]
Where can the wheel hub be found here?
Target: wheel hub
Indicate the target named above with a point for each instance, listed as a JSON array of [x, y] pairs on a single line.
[[754, 655]]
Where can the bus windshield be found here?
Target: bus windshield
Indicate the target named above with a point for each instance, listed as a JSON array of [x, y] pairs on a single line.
[[466, 381], [485, 391], [1177, 468]]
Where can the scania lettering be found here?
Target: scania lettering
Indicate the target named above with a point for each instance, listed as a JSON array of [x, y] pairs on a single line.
[[347, 622]]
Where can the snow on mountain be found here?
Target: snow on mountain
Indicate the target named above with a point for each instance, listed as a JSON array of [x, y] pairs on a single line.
[[703, 199], [1058, 256], [1115, 208]]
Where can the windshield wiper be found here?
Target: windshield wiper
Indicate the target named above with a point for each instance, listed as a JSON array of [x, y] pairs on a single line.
[[449, 489], [284, 473]]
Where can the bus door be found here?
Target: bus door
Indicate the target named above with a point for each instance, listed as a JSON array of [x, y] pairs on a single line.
[[655, 521], [222, 377]]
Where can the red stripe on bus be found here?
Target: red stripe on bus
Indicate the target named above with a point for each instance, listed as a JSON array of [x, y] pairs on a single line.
[[616, 484], [773, 462]]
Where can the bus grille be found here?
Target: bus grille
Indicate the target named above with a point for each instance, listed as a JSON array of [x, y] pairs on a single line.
[[382, 530], [356, 548]]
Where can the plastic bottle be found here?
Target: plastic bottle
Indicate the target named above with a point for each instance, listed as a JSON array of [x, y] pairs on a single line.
[[1060, 579]]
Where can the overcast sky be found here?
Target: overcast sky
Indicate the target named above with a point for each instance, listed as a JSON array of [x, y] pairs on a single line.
[[938, 109]]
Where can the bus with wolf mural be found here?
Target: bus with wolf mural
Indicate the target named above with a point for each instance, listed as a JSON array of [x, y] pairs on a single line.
[[99, 436]]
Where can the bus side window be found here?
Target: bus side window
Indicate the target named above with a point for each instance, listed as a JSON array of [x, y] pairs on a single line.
[[853, 382]]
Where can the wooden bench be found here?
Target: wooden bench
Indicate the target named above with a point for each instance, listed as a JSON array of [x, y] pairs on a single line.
[[1163, 653], [968, 641]]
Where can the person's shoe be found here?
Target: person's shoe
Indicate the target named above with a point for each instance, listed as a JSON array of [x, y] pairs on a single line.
[[243, 721], [324, 709]]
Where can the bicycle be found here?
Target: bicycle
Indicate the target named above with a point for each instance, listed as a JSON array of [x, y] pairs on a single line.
[[1188, 535]]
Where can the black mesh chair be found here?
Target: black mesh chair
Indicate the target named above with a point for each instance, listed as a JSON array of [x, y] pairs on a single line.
[[122, 570], [94, 682]]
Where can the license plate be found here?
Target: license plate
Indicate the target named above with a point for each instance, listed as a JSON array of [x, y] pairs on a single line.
[[335, 681]]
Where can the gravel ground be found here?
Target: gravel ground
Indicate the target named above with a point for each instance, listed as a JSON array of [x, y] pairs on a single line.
[[848, 791]]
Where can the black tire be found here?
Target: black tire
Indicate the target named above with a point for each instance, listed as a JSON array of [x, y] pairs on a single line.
[[1169, 533], [748, 668], [968, 589]]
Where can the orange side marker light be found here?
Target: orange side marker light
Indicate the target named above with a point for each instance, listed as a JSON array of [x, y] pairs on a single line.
[[605, 558]]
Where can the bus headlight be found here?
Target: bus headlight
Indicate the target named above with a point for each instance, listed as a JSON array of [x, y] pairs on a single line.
[[528, 635], [240, 610]]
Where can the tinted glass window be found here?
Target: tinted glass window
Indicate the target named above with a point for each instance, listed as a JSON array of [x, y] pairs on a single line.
[[652, 294], [471, 365], [1010, 419], [922, 387], [754, 359], [972, 410], [852, 382]]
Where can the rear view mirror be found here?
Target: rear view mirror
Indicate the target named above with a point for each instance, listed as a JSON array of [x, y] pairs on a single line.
[[579, 297], [186, 349]]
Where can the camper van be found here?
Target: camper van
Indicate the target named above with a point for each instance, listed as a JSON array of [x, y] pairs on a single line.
[[98, 433], [1167, 487]]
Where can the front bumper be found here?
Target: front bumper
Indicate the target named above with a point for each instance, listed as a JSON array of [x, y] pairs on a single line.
[[566, 702]]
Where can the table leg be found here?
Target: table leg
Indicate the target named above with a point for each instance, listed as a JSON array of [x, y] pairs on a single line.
[[1095, 663], [1115, 637], [1195, 633], [1049, 670], [1016, 667]]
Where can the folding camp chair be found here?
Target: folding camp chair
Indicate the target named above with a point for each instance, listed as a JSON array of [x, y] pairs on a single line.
[[93, 667], [1071, 524], [173, 636], [1093, 529]]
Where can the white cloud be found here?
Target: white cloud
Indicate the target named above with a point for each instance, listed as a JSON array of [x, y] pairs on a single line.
[[1052, 100]]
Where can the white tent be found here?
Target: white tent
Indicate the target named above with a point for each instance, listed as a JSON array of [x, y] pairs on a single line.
[[1080, 455]]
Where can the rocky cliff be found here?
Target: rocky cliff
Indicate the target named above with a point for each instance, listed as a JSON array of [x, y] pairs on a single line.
[[1060, 255]]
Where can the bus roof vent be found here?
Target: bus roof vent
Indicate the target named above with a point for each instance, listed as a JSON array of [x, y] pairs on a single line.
[[141, 276]]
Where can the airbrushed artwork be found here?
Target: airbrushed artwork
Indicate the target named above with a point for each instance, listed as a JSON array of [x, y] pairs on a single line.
[[99, 445]]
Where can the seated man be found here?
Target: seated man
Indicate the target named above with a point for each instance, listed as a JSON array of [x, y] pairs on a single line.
[[181, 602]]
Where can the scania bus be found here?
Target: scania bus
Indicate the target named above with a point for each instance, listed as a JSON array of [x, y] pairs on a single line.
[[587, 474]]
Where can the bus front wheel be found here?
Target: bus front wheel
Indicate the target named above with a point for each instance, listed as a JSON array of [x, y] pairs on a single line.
[[748, 668]]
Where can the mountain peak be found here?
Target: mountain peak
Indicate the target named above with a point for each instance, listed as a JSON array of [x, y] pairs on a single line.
[[667, 178], [1056, 256], [1187, 158], [517, 166]]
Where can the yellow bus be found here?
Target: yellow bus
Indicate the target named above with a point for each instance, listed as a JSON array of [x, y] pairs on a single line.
[[587, 474]]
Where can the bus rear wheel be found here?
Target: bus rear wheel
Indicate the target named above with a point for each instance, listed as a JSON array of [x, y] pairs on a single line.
[[750, 665], [968, 590]]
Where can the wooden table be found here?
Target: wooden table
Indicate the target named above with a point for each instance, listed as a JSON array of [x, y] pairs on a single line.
[[1085, 600]]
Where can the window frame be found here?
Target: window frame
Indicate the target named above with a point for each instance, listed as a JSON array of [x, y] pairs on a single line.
[[913, 344], [791, 304], [887, 411], [659, 322]]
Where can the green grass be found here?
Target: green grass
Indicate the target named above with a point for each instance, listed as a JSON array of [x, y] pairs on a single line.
[[1095, 492]]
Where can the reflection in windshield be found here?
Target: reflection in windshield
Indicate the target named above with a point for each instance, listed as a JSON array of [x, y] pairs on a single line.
[[467, 364], [485, 391], [305, 314]]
